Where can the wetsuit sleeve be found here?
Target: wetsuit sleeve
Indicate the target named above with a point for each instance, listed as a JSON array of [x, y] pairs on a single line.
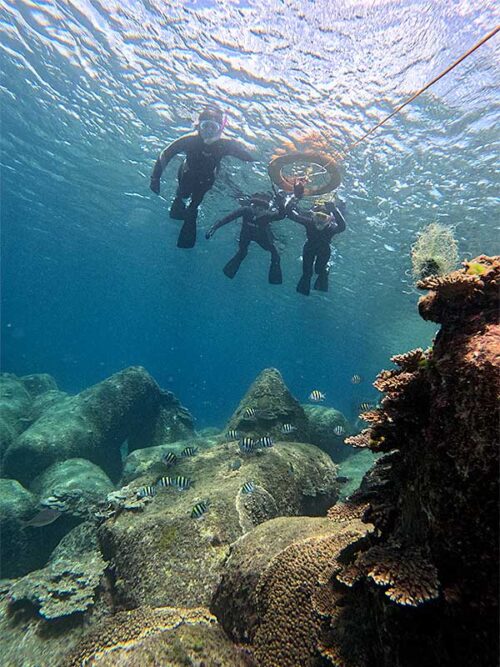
[[339, 219], [177, 146], [238, 213], [234, 148], [299, 217]]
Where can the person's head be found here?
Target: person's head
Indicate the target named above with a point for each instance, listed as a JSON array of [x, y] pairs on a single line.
[[321, 216], [260, 201], [211, 123]]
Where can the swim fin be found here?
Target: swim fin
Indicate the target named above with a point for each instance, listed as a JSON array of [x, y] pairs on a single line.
[[187, 235], [231, 268], [275, 275], [304, 285], [321, 283], [177, 209]]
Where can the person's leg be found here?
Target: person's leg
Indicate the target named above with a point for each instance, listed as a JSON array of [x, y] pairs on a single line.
[[321, 268], [231, 268], [187, 235], [308, 254], [265, 240], [183, 191]]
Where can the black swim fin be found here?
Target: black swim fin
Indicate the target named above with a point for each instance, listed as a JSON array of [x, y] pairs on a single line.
[[275, 275], [187, 235], [231, 268], [177, 209], [304, 285], [321, 283]]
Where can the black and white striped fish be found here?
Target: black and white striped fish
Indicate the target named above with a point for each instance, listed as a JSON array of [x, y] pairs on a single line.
[[288, 428], [232, 434], [247, 445], [356, 379], [169, 459], [339, 430], [317, 396], [178, 482], [248, 487], [199, 509], [365, 406], [249, 413], [265, 441], [189, 451], [146, 492]]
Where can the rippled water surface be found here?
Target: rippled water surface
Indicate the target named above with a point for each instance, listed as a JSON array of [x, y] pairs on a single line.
[[92, 91]]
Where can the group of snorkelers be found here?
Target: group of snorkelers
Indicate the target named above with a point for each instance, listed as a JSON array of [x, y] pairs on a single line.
[[204, 150]]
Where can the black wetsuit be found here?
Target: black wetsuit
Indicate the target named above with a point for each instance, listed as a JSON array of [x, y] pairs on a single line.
[[196, 176], [257, 227], [316, 252]]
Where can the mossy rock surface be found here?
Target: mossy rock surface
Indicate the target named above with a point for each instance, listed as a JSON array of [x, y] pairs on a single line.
[[162, 556], [72, 475], [322, 422]]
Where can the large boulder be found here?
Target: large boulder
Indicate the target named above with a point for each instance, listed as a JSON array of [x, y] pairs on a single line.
[[163, 556], [15, 404], [77, 475], [43, 402], [267, 406], [322, 424], [17, 505], [38, 383], [91, 425]]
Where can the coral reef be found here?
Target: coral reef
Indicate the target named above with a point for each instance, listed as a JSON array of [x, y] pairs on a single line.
[[322, 422], [434, 252], [267, 405], [164, 557]]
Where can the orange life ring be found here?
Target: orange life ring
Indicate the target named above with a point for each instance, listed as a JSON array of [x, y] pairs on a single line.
[[275, 171]]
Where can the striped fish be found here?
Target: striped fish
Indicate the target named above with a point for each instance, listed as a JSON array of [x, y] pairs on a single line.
[[146, 492], [339, 430], [247, 445], [248, 487], [249, 413], [356, 379], [232, 434], [365, 406], [265, 441], [199, 509], [316, 396], [288, 428], [189, 451], [179, 482], [169, 459]]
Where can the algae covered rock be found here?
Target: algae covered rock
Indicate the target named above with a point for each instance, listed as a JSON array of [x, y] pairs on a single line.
[[17, 504], [45, 401], [77, 475], [149, 637], [15, 404], [38, 383], [267, 406], [322, 423], [82, 539], [163, 556], [90, 425]]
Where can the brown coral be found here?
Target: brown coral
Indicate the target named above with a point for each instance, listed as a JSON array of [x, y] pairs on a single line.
[[410, 361], [344, 512], [360, 440]]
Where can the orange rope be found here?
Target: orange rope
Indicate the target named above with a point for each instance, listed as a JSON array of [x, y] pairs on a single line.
[[419, 92]]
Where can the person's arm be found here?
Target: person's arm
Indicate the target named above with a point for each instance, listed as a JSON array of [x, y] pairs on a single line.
[[239, 212], [177, 146], [236, 149], [295, 215], [339, 220]]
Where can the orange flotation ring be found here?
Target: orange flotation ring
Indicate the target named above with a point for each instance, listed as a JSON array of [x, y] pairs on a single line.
[[330, 172]]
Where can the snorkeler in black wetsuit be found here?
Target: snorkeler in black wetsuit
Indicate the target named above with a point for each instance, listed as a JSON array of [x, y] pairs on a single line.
[[257, 216], [321, 223], [204, 150]]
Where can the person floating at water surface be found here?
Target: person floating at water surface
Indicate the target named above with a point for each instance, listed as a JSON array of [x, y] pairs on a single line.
[[257, 216], [322, 222], [204, 150]]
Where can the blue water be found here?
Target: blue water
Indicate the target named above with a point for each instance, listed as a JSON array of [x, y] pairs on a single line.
[[92, 91]]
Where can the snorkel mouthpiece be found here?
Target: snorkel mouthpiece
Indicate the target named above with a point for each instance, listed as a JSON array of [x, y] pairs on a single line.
[[211, 124]]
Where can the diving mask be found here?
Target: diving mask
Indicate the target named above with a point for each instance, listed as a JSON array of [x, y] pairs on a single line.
[[209, 130]]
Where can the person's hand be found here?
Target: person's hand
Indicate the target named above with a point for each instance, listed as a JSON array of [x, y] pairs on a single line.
[[210, 233], [155, 185]]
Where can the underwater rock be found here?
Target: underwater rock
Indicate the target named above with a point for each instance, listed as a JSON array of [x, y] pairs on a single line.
[[45, 401], [162, 556], [7, 435], [322, 422], [267, 405], [269, 595], [80, 540], [74, 475], [17, 504], [176, 637], [423, 589], [15, 404], [38, 383], [90, 425]]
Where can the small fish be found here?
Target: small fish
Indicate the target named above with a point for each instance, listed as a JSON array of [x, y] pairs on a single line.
[[288, 428], [249, 413], [356, 379], [43, 518], [169, 459], [316, 396], [248, 487], [339, 430], [265, 441], [247, 445], [179, 482], [146, 492], [199, 509], [343, 480], [365, 406], [232, 434], [189, 451]]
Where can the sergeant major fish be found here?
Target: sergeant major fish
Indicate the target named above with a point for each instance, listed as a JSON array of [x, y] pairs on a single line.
[[249, 413], [265, 441], [248, 487], [232, 434], [316, 396], [339, 430], [288, 428], [247, 445], [189, 451], [169, 459], [146, 492], [178, 482], [199, 509]]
